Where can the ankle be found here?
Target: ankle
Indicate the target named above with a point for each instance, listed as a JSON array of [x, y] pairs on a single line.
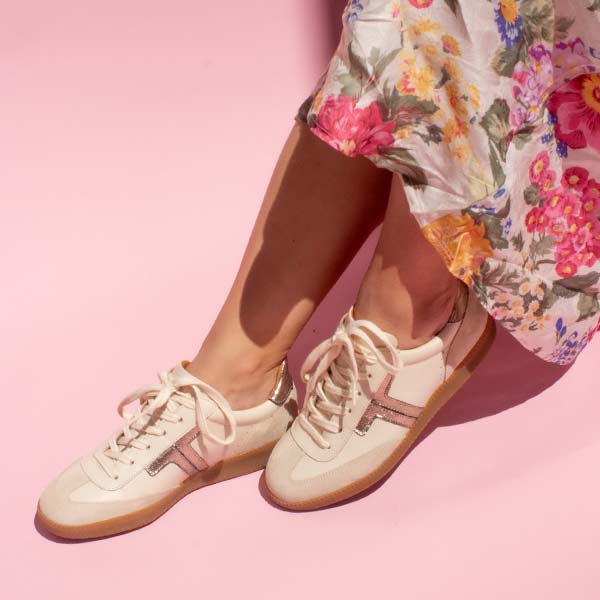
[[244, 382], [413, 318]]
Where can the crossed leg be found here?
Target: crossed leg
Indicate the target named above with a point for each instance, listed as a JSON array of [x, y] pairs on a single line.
[[319, 208]]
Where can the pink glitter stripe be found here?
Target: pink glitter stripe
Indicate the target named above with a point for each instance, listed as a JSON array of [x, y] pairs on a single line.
[[181, 454], [392, 410]]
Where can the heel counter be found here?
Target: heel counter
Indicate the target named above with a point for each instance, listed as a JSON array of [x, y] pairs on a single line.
[[470, 330]]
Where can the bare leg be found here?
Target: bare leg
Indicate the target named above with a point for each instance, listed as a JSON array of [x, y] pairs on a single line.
[[407, 289], [319, 208]]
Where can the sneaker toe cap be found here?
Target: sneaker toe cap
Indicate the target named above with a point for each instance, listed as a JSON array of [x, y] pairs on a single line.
[[295, 480], [55, 503]]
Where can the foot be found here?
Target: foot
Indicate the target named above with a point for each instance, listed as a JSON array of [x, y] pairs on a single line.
[[183, 436], [367, 401]]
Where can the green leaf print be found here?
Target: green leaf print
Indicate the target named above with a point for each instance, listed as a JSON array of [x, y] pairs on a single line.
[[499, 277], [548, 300], [563, 292], [532, 196], [538, 24], [433, 134], [538, 20], [507, 58], [497, 168], [587, 306], [350, 86], [406, 110], [496, 125], [358, 69], [374, 56], [523, 137], [542, 246], [443, 79], [579, 283], [415, 177], [383, 63], [562, 26], [494, 229], [518, 242]]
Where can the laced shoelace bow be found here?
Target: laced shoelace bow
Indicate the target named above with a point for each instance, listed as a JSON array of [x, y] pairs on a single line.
[[331, 386], [166, 395]]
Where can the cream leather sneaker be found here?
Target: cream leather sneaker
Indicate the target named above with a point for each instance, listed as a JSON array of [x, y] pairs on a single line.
[[367, 401], [183, 436]]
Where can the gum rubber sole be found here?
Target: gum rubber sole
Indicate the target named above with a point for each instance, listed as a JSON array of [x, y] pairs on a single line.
[[437, 400], [227, 469]]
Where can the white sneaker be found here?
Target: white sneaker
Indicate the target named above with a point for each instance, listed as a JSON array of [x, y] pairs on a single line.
[[183, 436], [367, 401]]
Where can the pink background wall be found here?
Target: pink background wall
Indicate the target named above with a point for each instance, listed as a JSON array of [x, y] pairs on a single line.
[[136, 139]]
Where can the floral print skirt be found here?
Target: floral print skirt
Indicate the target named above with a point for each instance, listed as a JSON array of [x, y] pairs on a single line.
[[490, 111]]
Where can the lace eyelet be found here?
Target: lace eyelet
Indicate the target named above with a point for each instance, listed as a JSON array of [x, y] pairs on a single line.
[[116, 477]]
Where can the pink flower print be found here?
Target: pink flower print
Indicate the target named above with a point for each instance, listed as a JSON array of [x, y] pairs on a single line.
[[590, 204], [571, 55], [567, 268], [546, 183], [576, 106], [536, 220], [592, 188], [575, 177], [533, 79], [421, 3], [539, 167], [352, 130], [554, 205]]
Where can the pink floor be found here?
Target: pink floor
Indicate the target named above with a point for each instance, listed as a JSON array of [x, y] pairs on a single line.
[[136, 140]]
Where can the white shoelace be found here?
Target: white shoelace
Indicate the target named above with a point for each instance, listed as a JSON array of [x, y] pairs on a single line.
[[166, 395], [332, 386]]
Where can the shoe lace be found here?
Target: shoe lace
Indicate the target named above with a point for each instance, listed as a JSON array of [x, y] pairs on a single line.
[[165, 397], [332, 371]]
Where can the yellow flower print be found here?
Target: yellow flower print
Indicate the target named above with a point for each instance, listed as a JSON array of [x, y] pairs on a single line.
[[450, 45], [453, 69], [453, 129], [430, 50], [461, 242], [424, 82], [524, 288], [456, 100], [423, 26], [474, 96], [460, 152], [418, 81], [403, 132], [509, 10]]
